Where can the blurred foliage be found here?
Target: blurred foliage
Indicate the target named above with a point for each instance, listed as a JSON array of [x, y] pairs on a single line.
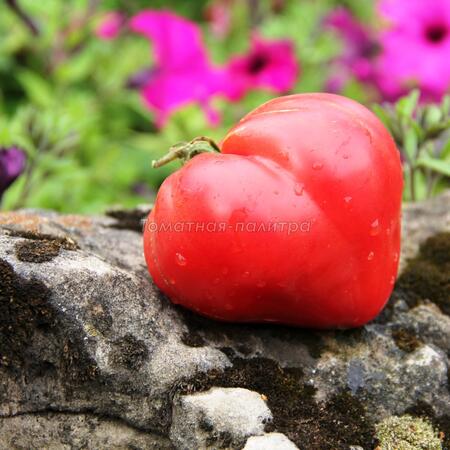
[[90, 140], [422, 134]]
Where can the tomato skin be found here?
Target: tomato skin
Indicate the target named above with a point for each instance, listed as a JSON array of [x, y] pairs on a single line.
[[320, 160]]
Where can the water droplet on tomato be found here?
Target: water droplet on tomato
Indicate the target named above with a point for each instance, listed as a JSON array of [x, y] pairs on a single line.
[[246, 274], [392, 280], [261, 284], [370, 256], [225, 271], [317, 165], [347, 199], [209, 296], [299, 188], [181, 260], [216, 281], [172, 281], [375, 227], [395, 257]]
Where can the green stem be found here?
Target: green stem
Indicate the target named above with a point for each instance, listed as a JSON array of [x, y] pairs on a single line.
[[412, 185], [187, 150], [23, 16]]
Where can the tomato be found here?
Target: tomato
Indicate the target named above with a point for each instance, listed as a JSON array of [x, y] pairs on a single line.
[[322, 165]]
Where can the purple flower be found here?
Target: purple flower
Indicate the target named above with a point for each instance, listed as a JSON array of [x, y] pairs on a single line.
[[359, 50], [183, 73], [110, 25], [416, 47], [269, 65], [12, 164], [141, 78]]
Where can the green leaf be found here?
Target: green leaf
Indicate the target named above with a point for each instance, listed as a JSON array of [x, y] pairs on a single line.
[[37, 88], [445, 153], [382, 114], [410, 144], [436, 165], [419, 131], [445, 107], [406, 105], [432, 116], [420, 182]]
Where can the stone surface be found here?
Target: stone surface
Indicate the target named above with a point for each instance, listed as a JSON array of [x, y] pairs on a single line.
[[270, 441], [59, 431], [422, 220], [220, 417], [87, 341]]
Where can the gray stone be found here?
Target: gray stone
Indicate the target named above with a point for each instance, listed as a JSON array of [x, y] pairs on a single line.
[[84, 334], [57, 431], [270, 441], [422, 220], [220, 417], [381, 370]]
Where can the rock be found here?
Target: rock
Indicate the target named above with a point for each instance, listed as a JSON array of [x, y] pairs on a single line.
[[59, 431], [422, 220], [270, 441], [87, 342], [220, 417]]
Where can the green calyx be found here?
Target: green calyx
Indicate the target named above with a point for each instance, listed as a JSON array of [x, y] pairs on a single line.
[[185, 151]]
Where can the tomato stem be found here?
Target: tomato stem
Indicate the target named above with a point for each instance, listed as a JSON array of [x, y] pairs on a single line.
[[187, 150]]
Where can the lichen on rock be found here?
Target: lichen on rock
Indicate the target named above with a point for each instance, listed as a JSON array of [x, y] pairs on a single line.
[[407, 433]]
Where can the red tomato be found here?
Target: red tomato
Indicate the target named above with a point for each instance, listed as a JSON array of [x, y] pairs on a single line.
[[320, 161]]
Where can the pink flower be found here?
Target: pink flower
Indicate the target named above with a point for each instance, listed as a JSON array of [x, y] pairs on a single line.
[[359, 49], [110, 26], [269, 65], [416, 47], [183, 73]]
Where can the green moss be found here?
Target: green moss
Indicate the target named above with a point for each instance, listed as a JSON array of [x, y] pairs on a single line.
[[65, 242], [437, 249], [407, 433], [440, 423], [335, 424], [427, 277], [40, 247], [406, 340], [203, 331], [24, 307], [128, 219], [26, 312], [129, 352], [37, 251]]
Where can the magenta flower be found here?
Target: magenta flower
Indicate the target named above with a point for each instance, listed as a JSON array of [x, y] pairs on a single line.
[[12, 164], [416, 47], [269, 65], [110, 25], [182, 73], [359, 50]]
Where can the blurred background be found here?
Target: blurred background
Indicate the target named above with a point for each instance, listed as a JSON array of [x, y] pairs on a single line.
[[92, 91]]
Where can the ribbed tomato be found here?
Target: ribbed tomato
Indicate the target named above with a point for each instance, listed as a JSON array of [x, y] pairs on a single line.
[[322, 165]]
